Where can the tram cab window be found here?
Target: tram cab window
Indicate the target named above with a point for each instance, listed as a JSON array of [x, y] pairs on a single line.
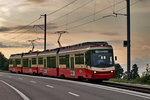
[[102, 58]]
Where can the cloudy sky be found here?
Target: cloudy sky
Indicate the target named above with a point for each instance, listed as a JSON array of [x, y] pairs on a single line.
[[85, 20]]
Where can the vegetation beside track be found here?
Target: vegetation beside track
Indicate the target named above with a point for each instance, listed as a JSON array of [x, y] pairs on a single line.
[[4, 62], [145, 80]]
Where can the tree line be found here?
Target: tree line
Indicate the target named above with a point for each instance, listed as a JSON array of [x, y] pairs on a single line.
[[4, 62], [119, 72]]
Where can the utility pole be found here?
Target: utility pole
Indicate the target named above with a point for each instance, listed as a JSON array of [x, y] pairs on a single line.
[[44, 31], [128, 40]]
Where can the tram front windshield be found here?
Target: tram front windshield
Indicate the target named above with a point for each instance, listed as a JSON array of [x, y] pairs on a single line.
[[102, 58]]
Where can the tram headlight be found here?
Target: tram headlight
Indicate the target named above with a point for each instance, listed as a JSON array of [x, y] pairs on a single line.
[[111, 71], [94, 72]]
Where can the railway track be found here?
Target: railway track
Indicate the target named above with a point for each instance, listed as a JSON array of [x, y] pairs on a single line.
[[127, 86], [133, 87], [138, 88]]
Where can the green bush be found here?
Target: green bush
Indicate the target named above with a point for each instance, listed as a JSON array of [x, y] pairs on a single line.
[[4, 62], [143, 80]]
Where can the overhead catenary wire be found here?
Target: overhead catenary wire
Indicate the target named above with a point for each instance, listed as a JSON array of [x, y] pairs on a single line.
[[86, 22], [71, 11], [62, 8], [26, 25], [110, 15], [130, 5], [22, 28], [83, 18], [18, 35], [97, 12]]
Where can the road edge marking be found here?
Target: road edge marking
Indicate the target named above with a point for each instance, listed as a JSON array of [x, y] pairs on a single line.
[[33, 81], [50, 86], [74, 94], [19, 92], [124, 91]]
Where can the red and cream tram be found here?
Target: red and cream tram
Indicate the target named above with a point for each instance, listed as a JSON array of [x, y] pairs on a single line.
[[89, 60]]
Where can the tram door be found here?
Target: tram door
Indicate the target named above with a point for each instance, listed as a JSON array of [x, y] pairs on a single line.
[[72, 67], [45, 72], [29, 65]]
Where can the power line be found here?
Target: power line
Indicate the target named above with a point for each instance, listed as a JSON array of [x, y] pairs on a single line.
[[47, 15], [26, 25], [20, 34], [71, 11], [22, 28], [130, 5], [111, 15], [80, 18], [62, 7], [75, 21]]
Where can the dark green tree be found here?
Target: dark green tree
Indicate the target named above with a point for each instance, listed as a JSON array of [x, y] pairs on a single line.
[[118, 71], [4, 62], [134, 72]]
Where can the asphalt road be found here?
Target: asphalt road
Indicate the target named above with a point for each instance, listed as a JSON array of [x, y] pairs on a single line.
[[18, 87]]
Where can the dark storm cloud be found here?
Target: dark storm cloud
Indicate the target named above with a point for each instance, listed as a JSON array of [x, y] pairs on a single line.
[[31, 28], [110, 34], [37, 1], [3, 46], [13, 45], [4, 29], [24, 45]]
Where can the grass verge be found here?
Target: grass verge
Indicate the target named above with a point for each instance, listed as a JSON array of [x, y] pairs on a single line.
[[145, 80]]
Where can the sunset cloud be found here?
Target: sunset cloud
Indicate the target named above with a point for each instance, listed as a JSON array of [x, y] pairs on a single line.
[[37, 1], [110, 34], [16, 14], [31, 28]]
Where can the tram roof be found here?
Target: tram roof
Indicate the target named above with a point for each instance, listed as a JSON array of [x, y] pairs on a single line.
[[65, 48], [77, 46]]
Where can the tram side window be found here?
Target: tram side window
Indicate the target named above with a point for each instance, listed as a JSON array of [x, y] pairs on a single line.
[[14, 63], [64, 60], [25, 62], [40, 60], [51, 62], [10, 61], [18, 61], [33, 61], [79, 58]]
